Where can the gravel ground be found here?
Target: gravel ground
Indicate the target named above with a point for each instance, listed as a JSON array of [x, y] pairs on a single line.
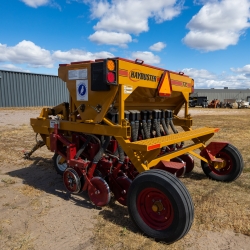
[[36, 212]]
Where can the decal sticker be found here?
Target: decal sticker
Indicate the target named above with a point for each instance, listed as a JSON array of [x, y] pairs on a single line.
[[128, 89], [82, 90], [78, 74], [52, 123]]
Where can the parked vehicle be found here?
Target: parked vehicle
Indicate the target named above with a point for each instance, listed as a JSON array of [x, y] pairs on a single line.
[[215, 103], [242, 104], [198, 101]]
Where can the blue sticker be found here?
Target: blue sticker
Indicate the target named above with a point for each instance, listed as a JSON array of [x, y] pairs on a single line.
[[82, 90]]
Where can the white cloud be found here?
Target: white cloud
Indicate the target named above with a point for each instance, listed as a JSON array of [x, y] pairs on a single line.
[[112, 38], [198, 73], [99, 8], [245, 69], [205, 79], [202, 2], [158, 46], [75, 55], [35, 3], [218, 24], [26, 52], [12, 67], [131, 16], [146, 56]]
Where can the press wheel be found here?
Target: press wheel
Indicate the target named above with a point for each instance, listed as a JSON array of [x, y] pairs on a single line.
[[72, 180]]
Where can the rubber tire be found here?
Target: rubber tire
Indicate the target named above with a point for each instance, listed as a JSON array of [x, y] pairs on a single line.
[[238, 165], [176, 192], [58, 169]]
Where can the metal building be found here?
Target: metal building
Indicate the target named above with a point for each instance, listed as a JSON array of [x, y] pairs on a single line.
[[223, 94], [19, 89]]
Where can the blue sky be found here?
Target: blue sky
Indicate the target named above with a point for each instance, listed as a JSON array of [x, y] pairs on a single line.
[[209, 40]]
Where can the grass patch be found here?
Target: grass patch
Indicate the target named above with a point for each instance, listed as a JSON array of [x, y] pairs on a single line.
[[30, 191], [8, 181], [218, 206]]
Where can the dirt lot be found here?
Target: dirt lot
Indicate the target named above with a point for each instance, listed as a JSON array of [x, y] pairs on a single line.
[[37, 213]]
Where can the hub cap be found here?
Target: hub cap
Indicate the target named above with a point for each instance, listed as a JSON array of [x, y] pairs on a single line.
[[155, 208]]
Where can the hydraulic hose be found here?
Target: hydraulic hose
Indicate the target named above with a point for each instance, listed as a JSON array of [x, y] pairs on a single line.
[[102, 149], [121, 154], [149, 125], [132, 124], [163, 122], [145, 129], [89, 136], [134, 130], [79, 152], [157, 128], [172, 126], [137, 125]]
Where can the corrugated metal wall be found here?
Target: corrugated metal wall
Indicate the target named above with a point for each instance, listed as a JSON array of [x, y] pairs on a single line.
[[222, 94], [18, 89]]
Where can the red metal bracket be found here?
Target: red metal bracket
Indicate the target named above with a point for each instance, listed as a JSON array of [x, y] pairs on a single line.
[[212, 149], [175, 168]]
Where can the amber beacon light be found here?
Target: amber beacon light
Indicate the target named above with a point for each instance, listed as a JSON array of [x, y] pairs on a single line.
[[111, 71]]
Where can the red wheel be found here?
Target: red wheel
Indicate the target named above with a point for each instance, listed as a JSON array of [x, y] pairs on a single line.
[[155, 208], [232, 165], [99, 192], [189, 162], [160, 205], [120, 189], [71, 180]]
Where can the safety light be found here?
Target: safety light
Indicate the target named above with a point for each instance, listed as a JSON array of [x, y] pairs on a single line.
[[110, 65], [110, 77], [111, 71]]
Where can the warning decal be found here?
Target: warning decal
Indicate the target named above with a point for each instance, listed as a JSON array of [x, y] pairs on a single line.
[[82, 90]]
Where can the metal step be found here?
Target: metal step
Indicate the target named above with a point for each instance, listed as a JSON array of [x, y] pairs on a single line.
[[159, 142]]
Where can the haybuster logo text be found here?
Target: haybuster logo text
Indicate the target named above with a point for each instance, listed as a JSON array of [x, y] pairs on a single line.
[[136, 75]]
